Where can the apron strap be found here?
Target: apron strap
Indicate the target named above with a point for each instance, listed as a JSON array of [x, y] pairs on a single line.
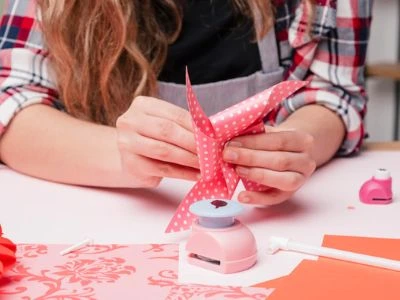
[[268, 49]]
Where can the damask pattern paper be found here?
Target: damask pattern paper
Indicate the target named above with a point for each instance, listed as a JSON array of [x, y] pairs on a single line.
[[107, 272]]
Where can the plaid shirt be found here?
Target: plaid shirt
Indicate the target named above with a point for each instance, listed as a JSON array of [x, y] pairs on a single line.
[[332, 59]]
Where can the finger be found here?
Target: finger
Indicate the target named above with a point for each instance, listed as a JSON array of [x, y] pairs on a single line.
[[155, 169], [273, 160], [161, 129], [286, 181], [159, 150], [163, 109], [290, 141], [175, 171], [277, 129], [130, 165], [270, 197]]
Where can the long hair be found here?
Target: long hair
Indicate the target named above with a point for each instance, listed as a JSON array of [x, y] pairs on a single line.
[[105, 53]]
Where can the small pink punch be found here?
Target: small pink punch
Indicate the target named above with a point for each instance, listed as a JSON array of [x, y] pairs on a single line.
[[378, 189]]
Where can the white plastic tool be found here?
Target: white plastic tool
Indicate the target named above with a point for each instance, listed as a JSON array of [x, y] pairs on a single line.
[[85, 242], [280, 243]]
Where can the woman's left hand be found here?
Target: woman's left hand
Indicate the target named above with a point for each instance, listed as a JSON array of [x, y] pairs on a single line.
[[280, 159]]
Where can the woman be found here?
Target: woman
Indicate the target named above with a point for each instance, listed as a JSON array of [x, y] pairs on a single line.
[[107, 77]]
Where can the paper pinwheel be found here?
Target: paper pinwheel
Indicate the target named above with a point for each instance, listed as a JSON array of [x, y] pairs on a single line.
[[218, 178]]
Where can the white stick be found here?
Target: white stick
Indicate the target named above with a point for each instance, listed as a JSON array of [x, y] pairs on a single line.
[[77, 246], [280, 243]]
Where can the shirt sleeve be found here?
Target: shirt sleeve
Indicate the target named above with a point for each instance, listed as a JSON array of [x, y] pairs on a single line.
[[25, 75], [332, 59]]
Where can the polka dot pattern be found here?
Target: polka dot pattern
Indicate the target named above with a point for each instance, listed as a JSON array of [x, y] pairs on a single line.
[[218, 178]]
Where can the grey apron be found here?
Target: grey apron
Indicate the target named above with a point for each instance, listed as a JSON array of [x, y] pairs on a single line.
[[216, 96]]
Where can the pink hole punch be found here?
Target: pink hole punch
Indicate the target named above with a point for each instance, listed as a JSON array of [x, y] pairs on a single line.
[[378, 189], [218, 241]]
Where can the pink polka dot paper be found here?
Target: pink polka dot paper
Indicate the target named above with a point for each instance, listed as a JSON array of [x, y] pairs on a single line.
[[218, 178]]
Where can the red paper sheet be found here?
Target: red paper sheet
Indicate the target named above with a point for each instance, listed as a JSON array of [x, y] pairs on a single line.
[[332, 279]]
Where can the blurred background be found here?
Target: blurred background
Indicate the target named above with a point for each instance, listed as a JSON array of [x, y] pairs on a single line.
[[383, 83], [384, 61]]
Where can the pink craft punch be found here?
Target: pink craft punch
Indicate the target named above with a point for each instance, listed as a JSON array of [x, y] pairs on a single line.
[[218, 241], [378, 189]]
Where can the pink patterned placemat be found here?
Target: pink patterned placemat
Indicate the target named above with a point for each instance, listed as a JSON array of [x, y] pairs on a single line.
[[107, 272]]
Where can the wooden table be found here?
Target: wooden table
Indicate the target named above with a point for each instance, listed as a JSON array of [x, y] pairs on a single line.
[[385, 70], [382, 146]]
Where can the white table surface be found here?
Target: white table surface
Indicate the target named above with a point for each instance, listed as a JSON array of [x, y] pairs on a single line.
[[36, 211]]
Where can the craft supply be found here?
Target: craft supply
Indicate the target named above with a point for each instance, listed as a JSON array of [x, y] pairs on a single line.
[[218, 178], [218, 241], [85, 242], [378, 189], [7, 253], [281, 243]]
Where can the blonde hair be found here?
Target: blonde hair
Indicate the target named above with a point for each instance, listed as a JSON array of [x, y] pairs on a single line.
[[107, 52]]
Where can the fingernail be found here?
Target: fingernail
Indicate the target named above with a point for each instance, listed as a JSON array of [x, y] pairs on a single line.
[[230, 155], [198, 176], [235, 144], [244, 199], [242, 171]]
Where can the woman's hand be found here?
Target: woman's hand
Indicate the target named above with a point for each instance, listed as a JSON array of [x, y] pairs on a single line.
[[281, 160], [156, 140]]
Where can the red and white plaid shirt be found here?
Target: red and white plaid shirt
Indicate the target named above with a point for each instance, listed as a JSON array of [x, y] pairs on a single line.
[[332, 60]]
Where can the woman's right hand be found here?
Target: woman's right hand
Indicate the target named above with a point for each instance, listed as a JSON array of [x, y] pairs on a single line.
[[156, 140]]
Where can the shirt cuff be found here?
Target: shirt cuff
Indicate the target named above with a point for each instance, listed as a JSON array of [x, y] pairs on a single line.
[[350, 114], [13, 100]]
